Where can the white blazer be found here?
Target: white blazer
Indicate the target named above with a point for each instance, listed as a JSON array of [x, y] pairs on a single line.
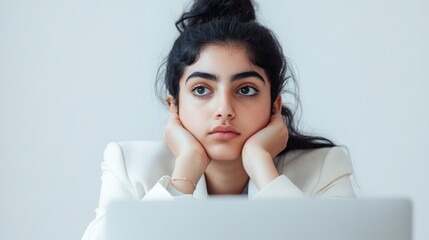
[[141, 171]]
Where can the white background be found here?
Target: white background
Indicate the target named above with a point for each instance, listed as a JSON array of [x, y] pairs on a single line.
[[75, 75]]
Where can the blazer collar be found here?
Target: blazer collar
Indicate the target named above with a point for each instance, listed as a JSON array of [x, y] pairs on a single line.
[[201, 189]]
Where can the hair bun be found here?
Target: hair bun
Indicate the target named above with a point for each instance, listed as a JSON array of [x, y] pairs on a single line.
[[203, 11]]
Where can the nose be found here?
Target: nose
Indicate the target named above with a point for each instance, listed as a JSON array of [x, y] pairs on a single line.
[[224, 107]]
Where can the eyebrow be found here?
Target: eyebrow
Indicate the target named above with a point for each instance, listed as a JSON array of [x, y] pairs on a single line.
[[235, 77]]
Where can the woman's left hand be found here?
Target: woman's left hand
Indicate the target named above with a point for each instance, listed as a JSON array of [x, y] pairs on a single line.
[[260, 149]]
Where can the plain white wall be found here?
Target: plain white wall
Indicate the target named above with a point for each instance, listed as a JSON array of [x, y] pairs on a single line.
[[75, 75]]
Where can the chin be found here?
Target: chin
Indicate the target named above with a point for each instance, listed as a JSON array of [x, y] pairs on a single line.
[[223, 152]]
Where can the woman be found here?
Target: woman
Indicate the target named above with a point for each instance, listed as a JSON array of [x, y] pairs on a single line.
[[228, 132]]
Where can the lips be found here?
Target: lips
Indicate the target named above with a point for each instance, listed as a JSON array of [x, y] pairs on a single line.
[[224, 132]]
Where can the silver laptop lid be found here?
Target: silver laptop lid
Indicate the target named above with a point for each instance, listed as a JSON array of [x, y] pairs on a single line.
[[236, 218]]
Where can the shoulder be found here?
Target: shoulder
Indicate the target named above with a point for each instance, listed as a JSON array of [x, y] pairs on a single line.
[[131, 153], [311, 167], [312, 157], [138, 162], [138, 151]]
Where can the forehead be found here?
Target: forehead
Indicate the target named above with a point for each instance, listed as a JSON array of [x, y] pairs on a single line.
[[223, 59], [232, 51]]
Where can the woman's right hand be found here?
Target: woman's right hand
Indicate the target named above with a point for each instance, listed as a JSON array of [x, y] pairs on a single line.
[[191, 157]]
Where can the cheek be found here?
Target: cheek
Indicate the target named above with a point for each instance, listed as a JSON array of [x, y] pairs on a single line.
[[193, 118], [256, 118]]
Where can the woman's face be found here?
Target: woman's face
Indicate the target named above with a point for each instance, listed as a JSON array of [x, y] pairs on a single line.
[[224, 100]]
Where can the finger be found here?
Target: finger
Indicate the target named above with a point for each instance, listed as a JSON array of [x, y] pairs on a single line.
[[276, 116], [278, 119], [172, 116], [274, 110], [174, 119], [173, 110]]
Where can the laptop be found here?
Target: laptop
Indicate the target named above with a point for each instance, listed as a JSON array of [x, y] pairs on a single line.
[[238, 218]]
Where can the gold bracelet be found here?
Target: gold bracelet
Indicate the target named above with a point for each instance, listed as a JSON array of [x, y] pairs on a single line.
[[186, 180]]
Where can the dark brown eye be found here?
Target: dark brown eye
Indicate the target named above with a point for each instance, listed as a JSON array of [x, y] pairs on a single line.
[[247, 91], [244, 90], [201, 91]]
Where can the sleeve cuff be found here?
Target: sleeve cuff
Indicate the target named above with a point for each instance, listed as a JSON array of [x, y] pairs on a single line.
[[281, 187], [164, 191]]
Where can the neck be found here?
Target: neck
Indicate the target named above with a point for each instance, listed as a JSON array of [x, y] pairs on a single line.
[[226, 177]]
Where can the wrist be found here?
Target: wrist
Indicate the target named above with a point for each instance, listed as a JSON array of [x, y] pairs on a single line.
[[187, 172], [260, 168], [192, 165], [183, 185]]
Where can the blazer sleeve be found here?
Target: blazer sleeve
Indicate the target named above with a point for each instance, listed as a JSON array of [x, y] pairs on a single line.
[[335, 176], [116, 185], [331, 179]]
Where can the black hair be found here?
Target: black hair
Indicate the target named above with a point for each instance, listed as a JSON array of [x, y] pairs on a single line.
[[225, 22]]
